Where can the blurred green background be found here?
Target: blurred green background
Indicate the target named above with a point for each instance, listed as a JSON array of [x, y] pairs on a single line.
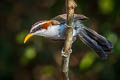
[[40, 58]]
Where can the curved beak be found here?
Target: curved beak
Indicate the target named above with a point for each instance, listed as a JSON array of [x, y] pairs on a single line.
[[27, 37]]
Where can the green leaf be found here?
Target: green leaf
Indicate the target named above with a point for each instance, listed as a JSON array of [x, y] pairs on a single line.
[[106, 6], [87, 61]]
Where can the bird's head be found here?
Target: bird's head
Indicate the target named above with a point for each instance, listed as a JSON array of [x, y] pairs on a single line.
[[38, 29]]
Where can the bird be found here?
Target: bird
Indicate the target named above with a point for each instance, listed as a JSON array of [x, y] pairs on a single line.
[[56, 27]]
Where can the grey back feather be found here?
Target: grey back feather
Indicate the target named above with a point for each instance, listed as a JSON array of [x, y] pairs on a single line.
[[62, 18]]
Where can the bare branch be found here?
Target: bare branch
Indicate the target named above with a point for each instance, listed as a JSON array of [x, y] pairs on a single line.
[[70, 6]]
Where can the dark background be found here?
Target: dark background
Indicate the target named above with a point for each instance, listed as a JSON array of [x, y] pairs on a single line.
[[40, 58]]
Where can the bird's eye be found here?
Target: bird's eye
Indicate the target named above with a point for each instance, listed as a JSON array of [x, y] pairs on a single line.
[[34, 30], [38, 28]]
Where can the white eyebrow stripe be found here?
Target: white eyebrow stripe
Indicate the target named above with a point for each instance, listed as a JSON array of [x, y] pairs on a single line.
[[37, 25]]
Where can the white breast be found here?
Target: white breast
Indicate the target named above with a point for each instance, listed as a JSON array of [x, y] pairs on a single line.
[[55, 32], [52, 31]]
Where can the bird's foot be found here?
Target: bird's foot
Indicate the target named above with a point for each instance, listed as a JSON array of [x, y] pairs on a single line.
[[63, 53]]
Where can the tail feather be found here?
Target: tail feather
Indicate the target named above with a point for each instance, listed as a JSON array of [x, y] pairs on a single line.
[[92, 44], [102, 41], [98, 43]]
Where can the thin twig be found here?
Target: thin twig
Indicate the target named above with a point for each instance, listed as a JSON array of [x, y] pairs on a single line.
[[70, 6]]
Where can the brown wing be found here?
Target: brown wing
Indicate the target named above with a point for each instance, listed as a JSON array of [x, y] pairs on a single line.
[[62, 18], [80, 17]]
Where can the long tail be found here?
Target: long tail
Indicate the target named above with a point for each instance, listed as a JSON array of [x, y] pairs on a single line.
[[95, 41]]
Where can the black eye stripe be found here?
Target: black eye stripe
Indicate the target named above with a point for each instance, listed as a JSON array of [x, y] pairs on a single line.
[[36, 29]]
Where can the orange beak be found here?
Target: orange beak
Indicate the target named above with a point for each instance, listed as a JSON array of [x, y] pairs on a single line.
[[27, 37]]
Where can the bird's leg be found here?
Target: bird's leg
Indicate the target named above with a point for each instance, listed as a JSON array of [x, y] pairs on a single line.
[[70, 51], [63, 53]]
